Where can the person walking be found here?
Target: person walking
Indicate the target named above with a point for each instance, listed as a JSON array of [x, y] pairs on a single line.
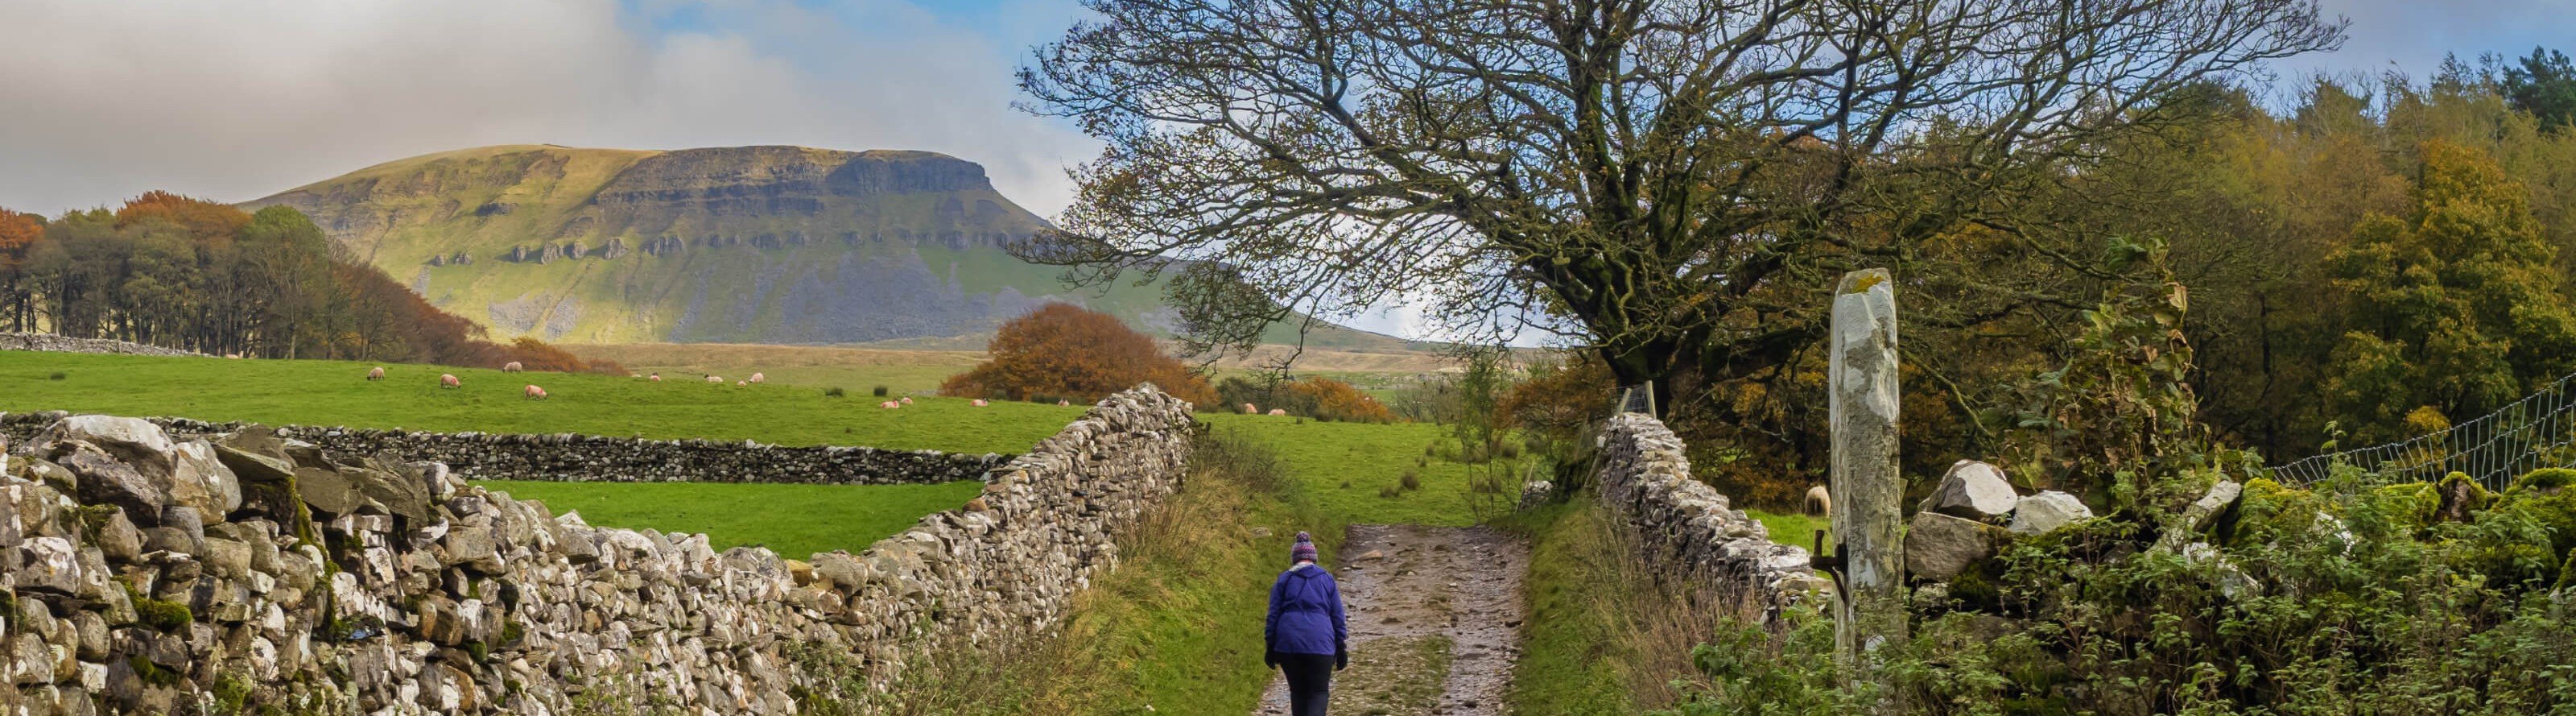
[[1306, 636]]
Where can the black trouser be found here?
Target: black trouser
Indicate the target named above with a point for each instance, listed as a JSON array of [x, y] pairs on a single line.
[[1310, 682]]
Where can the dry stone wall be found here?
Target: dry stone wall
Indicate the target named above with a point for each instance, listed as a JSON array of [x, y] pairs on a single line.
[[64, 344], [1687, 529], [249, 572], [568, 457]]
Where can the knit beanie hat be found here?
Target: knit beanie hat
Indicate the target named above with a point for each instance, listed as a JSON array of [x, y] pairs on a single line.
[[1304, 551]]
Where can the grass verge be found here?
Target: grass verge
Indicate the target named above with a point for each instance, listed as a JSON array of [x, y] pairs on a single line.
[[1603, 635], [795, 521]]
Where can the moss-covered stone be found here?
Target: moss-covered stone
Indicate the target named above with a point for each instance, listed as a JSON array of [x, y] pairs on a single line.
[[166, 616], [2547, 479]]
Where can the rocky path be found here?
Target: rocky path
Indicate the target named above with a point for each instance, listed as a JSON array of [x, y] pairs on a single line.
[[1434, 616]]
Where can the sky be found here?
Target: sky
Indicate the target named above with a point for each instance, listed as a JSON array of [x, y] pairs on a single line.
[[239, 99]]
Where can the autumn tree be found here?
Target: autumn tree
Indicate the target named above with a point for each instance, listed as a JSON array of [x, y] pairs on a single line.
[[1069, 352], [19, 233], [2454, 307], [1676, 182]]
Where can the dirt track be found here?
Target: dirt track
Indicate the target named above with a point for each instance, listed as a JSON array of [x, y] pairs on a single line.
[[1434, 613]]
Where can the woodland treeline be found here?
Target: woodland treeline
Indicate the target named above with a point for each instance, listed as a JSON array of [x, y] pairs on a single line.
[[173, 271], [2369, 260]]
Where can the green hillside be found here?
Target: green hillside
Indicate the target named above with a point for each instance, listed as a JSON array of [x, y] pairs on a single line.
[[737, 245]]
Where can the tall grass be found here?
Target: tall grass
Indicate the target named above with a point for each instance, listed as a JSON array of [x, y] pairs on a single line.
[[1604, 635]]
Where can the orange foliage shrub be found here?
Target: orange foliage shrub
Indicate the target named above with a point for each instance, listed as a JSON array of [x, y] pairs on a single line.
[[1559, 399], [1069, 352], [1324, 398]]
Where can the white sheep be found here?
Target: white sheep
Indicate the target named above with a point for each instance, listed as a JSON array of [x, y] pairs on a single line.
[[715, 379], [907, 400], [1248, 409], [757, 378], [889, 405], [1277, 413], [1820, 501], [657, 377], [376, 374], [511, 367], [534, 393], [979, 402], [448, 380]]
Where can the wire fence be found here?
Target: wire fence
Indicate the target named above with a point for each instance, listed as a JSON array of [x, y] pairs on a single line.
[[2535, 432]]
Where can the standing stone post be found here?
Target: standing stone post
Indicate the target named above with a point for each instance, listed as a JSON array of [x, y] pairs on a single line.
[[1867, 487]]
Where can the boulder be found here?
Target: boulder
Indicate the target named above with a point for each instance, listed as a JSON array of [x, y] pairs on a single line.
[[53, 566], [472, 545], [2045, 512], [1973, 490], [132, 440], [198, 479], [105, 480], [400, 494], [118, 538], [330, 491], [1939, 546], [2198, 515]]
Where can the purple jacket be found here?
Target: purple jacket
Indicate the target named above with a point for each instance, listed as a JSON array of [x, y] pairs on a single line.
[[1306, 613]]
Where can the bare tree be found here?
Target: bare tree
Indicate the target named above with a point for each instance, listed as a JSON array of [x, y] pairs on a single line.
[[1676, 182]]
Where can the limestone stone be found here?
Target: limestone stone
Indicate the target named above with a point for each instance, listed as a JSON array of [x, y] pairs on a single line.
[[134, 441], [52, 566], [1973, 490], [198, 479], [2045, 512], [119, 539], [104, 480], [1939, 547]]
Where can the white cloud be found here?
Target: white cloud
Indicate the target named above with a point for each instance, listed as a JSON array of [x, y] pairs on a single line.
[[236, 100]]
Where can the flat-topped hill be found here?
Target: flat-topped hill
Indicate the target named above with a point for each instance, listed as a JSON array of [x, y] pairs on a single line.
[[765, 244]]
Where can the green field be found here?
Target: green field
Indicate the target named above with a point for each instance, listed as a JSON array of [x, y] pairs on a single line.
[[336, 393], [1343, 466], [795, 521]]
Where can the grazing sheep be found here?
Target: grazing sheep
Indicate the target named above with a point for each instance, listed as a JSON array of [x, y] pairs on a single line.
[[907, 400], [534, 393], [739, 384], [1248, 409], [511, 367], [377, 374], [657, 377], [1820, 501], [715, 379], [1277, 413], [979, 402], [1063, 403], [757, 378], [448, 380], [889, 405]]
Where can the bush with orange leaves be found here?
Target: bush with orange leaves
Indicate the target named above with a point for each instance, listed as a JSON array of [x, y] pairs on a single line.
[[1062, 351], [1327, 399], [1560, 398]]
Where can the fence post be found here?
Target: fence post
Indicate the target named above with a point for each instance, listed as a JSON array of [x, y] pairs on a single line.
[[1867, 486]]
